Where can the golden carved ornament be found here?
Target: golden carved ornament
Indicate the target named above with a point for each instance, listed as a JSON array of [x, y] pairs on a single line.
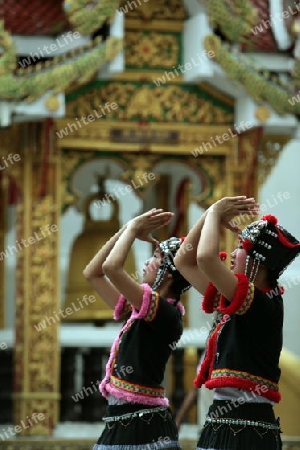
[[269, 151], [37, 358], [87, 17], [213, 174], [52, 103], [244, 166], [44, 217], [69, 162], [42, 414], [164, 104], [140, 172], [150, 10], [262, 113], [151, 49]]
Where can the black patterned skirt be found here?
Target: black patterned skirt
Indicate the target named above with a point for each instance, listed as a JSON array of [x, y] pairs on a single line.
[[138, 427], [233, 426]]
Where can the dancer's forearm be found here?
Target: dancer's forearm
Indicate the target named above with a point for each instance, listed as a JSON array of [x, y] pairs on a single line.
[[187, 254], [95, 267]]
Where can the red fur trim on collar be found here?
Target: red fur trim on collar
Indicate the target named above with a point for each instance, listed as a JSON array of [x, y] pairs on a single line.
[[208, 362], [209, 298], [240, 296]]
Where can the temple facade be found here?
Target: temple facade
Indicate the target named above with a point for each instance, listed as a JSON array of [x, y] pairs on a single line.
[[108, 109]]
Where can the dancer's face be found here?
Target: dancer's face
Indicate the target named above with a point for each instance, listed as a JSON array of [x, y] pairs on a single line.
[[238, 260], [151, 267]]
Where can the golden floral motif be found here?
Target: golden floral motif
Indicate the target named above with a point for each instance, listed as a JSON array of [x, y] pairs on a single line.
[[151, 49], [37, 358], [214, 180], [140, 166], [168, 103], [160, 9]]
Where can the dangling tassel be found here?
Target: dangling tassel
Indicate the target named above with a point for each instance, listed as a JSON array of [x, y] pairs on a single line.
[[254, 270]]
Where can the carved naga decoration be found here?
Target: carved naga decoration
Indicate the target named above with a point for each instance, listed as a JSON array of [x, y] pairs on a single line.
[[265, 26], [87, 16], [74, 67]]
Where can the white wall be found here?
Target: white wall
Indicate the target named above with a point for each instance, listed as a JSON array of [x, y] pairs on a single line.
[[285, 178]]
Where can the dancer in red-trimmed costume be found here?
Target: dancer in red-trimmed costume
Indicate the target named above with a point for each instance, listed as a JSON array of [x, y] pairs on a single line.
[[242, 355], [138, 415]]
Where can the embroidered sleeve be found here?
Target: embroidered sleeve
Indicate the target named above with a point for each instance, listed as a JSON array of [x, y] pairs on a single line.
[[242, 300], [211, 299], [122, 308], [149, 306]]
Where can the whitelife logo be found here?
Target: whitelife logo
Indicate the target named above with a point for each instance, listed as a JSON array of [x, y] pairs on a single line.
[[53, 48], [19, 428], [9, 158], [135, 184], [30, 241]]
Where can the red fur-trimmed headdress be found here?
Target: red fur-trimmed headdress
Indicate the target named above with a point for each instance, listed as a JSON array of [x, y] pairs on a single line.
[[269, 244]]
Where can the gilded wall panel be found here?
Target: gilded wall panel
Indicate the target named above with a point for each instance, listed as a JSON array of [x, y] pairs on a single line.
[[158, 10], [146, 50], [37, 348], [137, 101]]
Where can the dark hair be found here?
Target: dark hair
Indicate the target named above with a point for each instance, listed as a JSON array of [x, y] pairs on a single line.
[[177, 286]]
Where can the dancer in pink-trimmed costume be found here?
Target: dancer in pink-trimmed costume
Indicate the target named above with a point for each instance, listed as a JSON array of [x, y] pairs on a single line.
[[138, 415], [241, 362]]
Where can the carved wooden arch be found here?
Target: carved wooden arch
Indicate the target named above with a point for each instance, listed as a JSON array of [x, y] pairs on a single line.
[[210, 170]]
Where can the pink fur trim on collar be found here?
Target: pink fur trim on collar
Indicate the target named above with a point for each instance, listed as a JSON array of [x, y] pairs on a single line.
[[178, 306], [112, 355], [145, 303], [119, 307]]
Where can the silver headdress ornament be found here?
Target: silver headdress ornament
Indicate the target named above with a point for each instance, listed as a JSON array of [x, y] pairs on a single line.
[[168, 249], [269, 244]]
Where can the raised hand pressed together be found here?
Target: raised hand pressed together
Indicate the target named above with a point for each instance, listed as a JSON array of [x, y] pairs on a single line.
[[146, 223]]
